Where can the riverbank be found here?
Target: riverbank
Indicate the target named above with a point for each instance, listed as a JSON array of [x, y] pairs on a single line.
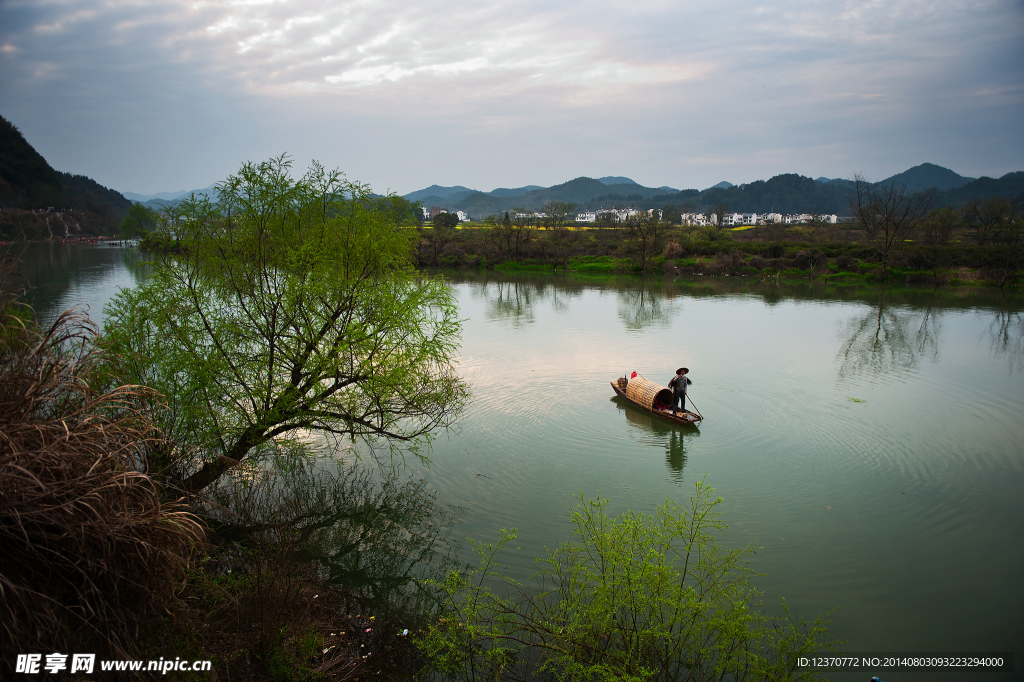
[[834, 255]]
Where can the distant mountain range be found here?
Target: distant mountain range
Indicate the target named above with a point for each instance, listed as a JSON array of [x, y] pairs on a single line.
[[787, 193], [167, 196], [28, 182]]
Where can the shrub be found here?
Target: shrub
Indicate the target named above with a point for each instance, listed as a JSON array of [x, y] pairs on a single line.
[[808, 259], [89, 548], [757, 263], [846, 263], [673, 250], [729, 262], [452, 255], [635, 597]]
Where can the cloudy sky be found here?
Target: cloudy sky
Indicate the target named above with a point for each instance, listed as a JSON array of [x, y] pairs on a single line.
[[164, 95]]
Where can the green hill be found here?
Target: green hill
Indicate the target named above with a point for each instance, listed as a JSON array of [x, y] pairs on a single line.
[[1010, 186], [28, 182], [928, 175]]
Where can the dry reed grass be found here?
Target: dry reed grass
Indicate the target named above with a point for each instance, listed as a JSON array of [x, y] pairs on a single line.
[[89, 547]]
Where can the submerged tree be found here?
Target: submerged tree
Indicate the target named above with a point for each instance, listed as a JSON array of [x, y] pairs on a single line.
[[293, 311]]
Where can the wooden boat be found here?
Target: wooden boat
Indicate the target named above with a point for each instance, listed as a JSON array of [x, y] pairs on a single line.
[[652, 397]]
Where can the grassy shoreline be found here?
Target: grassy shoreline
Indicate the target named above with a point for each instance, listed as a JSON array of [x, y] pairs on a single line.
[[847, 257]]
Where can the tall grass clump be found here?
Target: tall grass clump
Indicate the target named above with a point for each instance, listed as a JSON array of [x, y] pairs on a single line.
[[89, 547]]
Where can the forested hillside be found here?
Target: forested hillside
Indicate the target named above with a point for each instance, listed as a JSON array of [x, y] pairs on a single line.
[[40, 202]]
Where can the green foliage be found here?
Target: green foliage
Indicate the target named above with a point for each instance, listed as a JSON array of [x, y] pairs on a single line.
[[601, 264], [158, 242], [671, 214], [446, 220], [140, 220], [633, 597], [291, 308]]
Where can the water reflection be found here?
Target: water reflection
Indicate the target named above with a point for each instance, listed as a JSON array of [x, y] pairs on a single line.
[[651, 430], [511, 301], [514, 299], [1006, 337], [889, 339], [63, 275], [378, 534], [645, 305]]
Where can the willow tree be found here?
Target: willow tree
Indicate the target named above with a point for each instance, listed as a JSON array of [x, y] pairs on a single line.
[[291, 314]]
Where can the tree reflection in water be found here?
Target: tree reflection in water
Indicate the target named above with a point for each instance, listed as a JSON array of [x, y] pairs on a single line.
[[651, 430], [1006, 337], [889, 339], [512, 301], [371, 531], [515, 299], [646, 304], [901, 327]]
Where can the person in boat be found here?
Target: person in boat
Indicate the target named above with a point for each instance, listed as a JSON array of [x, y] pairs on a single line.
[[678, 384]]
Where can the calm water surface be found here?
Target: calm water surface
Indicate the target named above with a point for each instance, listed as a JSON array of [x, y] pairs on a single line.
[[903, 507]]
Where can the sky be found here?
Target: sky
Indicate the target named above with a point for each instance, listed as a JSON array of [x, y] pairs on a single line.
[[165, 95]]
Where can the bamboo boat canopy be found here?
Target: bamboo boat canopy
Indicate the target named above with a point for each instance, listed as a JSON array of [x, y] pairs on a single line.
[[647, 393]]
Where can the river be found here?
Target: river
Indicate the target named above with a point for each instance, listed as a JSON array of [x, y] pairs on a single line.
[[869, 441]]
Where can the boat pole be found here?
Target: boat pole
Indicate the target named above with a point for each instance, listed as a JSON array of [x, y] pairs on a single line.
[[695, 407]]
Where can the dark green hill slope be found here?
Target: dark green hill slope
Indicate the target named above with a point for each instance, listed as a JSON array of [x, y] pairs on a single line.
[[1010, 186], [436, 191], [926, 176], [787, 193], [584, 192], [28, 182]]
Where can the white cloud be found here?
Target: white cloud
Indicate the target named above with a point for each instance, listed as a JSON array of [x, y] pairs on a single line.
[[597, 87]]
